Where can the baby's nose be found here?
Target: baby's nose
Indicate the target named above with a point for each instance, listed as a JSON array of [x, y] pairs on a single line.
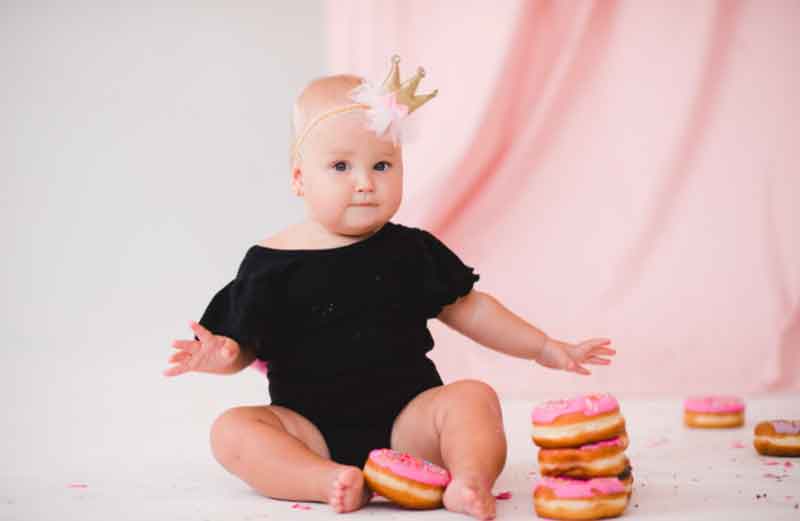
[[363, 182]]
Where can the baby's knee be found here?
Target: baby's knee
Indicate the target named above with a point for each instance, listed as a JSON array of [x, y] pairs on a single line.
[[234, 427], [476, 391], [223, 434], [226, 434]]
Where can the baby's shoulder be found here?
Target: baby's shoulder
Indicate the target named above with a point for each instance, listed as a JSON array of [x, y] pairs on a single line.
[[275, 242], [286, 239], [267, 255]]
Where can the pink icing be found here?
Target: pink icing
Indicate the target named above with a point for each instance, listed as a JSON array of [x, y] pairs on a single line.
[[714, 404], [589, 405], [568, 488], [786, 427], [613, 442], [260, 366], [408, 466]]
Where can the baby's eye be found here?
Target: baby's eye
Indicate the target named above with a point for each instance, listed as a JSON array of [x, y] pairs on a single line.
[[340, 166], [382, 166]]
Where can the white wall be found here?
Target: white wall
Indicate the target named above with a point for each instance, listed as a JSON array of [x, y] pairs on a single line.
[[142, 149]]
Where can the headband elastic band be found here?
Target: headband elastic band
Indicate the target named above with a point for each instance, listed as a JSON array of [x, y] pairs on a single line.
[[322, 117]]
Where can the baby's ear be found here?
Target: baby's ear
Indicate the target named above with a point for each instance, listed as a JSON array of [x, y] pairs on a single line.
[[297, 180]]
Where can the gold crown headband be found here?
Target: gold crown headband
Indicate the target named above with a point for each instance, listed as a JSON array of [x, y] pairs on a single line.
[[387, 105]]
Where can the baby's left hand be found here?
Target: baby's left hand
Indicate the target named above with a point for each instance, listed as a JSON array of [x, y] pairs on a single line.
[[569, 357]]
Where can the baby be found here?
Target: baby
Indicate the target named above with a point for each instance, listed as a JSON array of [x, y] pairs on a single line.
[[338, 305]]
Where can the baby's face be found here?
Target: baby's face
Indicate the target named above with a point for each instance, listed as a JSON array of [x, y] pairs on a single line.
[[351, 180]]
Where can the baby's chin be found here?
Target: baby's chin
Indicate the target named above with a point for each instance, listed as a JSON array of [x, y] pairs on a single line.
[[357, 228], [360, 231]]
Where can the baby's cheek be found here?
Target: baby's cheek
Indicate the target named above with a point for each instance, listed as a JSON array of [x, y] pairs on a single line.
[[327, 206], [328, 214]]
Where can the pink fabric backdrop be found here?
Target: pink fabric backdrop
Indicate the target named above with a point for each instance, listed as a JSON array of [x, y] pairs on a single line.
[[611, 168]]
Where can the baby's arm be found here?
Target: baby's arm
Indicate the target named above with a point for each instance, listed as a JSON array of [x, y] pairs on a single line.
[[210, 353], [485, 320]]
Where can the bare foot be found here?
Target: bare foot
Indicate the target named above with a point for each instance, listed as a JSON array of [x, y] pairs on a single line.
[[348, 492], [469, 497]]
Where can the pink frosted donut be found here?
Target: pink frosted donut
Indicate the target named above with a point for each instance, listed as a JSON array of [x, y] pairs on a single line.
[[578, 421], [713, 412], [408, 481], [595, 460], [777, 438], [566, 498]]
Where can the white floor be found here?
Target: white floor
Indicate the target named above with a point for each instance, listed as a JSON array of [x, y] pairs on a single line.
[[93, 444]]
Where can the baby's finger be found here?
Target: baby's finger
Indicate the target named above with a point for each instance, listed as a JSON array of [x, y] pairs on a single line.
[[577, 368], [176, 370], [186, 345], [179, 357], [596, 360], [596, 342], [202, 333], [602, 351]]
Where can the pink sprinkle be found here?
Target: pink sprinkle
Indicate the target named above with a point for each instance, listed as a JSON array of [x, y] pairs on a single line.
[[738, 445], [503, 495], [657, 443], [771, 463], [788, 464], [298, 506], [773, 476], [77, 485]]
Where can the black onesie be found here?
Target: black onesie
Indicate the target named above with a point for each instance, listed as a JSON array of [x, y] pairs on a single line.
[[344, 330]]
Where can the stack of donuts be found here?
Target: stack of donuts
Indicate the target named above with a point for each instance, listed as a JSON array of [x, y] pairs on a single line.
[[585, 473]]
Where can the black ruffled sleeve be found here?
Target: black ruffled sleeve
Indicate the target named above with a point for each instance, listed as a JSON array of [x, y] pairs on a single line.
[[445, 277], [246, 311]]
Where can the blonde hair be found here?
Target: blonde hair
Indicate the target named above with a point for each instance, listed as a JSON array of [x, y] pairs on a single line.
[[319, 97]]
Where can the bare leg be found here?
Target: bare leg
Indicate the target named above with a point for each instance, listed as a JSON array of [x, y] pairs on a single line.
[[283, 455], [460, 426]]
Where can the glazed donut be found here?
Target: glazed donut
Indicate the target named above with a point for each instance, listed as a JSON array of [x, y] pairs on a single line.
[[579, 421], [567, 498], [408, 481], [778, 438], [713, 412], [595, 460]]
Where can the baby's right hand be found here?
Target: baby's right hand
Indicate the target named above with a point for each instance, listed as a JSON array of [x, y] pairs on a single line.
[[209, 354]]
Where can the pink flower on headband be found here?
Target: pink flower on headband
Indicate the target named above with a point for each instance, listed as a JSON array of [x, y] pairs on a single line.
[[398, 110], [385, 114]]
